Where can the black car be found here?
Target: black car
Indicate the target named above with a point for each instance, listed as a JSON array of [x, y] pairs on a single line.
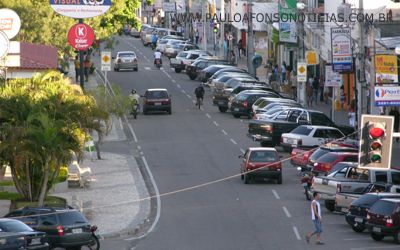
[[241, 104], [33, 240], [12, 241], [226, 71], [157, 100], [356, 217], [206, 73], [193, 70], [64, 227]]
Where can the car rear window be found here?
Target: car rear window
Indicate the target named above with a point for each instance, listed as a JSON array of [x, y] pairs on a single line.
[[383, 207], [183, 54], [163, 41], [14, 226], [71, 218], [366, 199], [328, 158], [157, 94], [302, 130], [318, 153], [126, 55], [263, 156]]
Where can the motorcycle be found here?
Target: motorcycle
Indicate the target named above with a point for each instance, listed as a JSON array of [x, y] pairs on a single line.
[[158, 62], [135, 108], [95, 244], [306, 182], [153, 46]]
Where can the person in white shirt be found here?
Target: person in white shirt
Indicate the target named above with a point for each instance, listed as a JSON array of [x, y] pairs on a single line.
[[316, 218], [157, 55]]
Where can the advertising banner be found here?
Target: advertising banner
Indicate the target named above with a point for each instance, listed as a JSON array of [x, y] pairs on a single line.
[[387, 96], [10, 23], [81, 36], [80, 8], [332, 78], [287, 26], [386, 69], [342, 58]]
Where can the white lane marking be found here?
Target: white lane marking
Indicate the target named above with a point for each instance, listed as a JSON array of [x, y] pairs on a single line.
[[380, 247], [233, 141], [141, 153], [242, 150], [147, 68], [189, 96], [178, 85], [120, 123], [296, 232], [275, 194], [168, 75], [146, 58], [139, 147], [224, 132], [215, 123], [359, 238], [173, 80], [183, 91], [201, 108], [286, 212], [208, 115]]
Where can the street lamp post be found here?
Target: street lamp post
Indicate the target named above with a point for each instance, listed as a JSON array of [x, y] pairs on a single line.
[[250, 40]]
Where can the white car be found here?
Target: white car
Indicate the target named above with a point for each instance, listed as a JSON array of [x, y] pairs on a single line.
[[164, 42], [310, 136]]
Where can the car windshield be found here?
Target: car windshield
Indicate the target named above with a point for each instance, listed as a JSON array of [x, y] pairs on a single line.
[[157, 95], [126, 55], [14, 226], [71, 218], [263, 156], [163, 41], [302, 130], [328, 158], [383, 207], [183, 54], [318, 153]]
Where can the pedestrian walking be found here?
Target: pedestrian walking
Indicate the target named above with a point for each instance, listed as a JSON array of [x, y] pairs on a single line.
[[342, 96], [309, 91], [197, 36], [77, 65], [395, 113], [239, 47], [315, 89], [87, 64], [352, 113], [283, 72], [233, 56], [316, 219], [321, 88]]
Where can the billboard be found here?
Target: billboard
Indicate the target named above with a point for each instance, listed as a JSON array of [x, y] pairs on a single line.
[[80, 8], [10, 23], [386, 69], [342, 55], [387, 96], [287, 30]]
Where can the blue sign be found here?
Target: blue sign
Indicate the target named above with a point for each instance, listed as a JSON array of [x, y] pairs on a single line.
[[80, 8], [257, 60], [387, 96], [342, 54]]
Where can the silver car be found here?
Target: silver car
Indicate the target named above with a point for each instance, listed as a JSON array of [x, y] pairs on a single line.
[[125, 60]]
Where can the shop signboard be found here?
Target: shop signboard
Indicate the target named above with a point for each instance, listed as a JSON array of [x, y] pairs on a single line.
[[386, 69], [81, 36], [332, 78], [80, 8], [387, 96], [10, 23], [342, 58]]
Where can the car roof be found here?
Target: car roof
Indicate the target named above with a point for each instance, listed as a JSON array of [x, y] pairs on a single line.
[[127, 51], [262, 149], [319, 127], [343, 153], [157, 89], [391, 200], [387, 194]]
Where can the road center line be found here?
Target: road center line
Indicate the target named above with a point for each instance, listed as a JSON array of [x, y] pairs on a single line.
[[215, 123], [224, 132], [209, 116], [178, 85], [296, 232], [173, 80], [275, 194], [380, 247], [189, 96], [233, 141], [286, 212], [242, 150]]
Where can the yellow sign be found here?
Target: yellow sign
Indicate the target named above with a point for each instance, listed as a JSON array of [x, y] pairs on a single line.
[[105, 59], [312, 57], [302, 69], [386, 69]]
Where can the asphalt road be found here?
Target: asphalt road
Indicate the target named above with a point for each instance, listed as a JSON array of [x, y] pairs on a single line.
[[193, 155]]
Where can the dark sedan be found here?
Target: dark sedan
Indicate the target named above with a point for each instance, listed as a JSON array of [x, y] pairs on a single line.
[[241, 104]]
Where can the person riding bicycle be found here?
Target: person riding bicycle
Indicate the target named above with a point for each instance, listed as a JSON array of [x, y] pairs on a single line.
[[157, 55], [134, 97], [154, 39], [199, 92]]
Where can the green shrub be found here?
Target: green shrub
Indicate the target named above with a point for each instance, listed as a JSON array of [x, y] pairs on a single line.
[[62, 175]]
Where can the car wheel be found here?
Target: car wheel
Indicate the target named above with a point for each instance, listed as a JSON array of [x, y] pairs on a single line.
[[246, 178], [115, 69], [330, 205], [178, 70], [170, 111], [222, 109], [236, 115], [377, 237], [192, 77], [279, 180], [241, 175], [287, 149], [358, 229], [135, 69], [396, 237]]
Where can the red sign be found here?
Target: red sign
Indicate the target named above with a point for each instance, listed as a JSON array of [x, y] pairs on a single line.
[[80, 36]]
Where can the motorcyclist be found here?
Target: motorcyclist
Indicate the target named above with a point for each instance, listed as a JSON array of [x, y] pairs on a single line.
[[134, 97], [157, 55], [154, 40], [199, 92]]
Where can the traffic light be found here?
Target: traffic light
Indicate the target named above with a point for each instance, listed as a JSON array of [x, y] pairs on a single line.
[[216, 27], [376, 141]]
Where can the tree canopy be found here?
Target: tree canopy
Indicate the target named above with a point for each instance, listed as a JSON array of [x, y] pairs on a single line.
[[41, 24]]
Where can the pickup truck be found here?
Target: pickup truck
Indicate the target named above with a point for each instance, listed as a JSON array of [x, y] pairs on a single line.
[[353, 182], [268, 132]]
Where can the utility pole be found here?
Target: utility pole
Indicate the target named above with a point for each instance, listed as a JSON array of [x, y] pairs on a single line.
[[250, 40], [82, 67], [204, 24], [360, 86], [222, 28]]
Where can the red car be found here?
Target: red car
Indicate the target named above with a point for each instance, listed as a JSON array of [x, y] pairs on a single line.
[[299, 157], [263, 162], [325, 163]]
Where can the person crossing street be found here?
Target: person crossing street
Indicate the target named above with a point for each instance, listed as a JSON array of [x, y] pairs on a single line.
[[316, 218]]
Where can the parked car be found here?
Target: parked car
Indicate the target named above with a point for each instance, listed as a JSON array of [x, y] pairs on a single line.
[[274, 110], [269, 132], [206, 73], [175, 37], [12, 241], [261, 103], [356, 216], [34, 239], [226, 71], [185, 58], [125, 60], [164, 42], [146, 34], [324, 164], [263, 162], [157, 100], [309, 136], [383, 219], [221, 83], [171, 51], [242, 102], [64, 227], [134, 32], [193, 70]]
